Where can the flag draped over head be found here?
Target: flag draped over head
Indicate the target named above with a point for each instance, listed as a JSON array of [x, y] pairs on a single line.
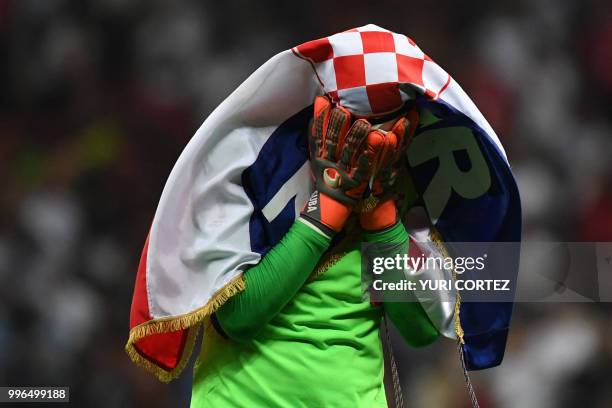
[[242, 179]]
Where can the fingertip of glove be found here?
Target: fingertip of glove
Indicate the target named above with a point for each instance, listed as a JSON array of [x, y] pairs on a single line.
[[361, 127], [376, 137], [340, 117], [399, 128], [376, 140], [391, 140], [341, 110], [321, 103]]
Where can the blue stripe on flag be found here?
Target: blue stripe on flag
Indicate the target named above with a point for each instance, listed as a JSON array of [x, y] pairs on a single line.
[[280, 158]]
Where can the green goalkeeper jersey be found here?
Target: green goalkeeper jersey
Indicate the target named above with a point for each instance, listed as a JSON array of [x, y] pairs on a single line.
[[322, 349]]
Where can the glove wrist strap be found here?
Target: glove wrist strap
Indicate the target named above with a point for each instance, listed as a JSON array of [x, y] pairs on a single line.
[[325, 213], [383, 216]]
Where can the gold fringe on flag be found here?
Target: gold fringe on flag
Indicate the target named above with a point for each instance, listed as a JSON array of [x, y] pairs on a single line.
[[189, 321], [436, 238]]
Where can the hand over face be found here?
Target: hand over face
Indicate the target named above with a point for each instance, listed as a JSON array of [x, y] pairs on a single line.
[[342, 163], [383, 212], [346, 156]]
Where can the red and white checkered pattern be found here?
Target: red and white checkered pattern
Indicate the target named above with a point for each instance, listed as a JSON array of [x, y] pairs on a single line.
[[363, 69]]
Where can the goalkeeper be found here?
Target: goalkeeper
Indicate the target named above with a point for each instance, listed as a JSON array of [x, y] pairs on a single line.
[[302, 334]]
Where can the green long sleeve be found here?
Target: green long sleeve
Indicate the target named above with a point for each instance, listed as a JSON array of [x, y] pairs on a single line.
[[272, 283], [408, 317]]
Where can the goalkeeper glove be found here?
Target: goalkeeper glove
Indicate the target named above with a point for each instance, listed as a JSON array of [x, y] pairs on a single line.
[[341, 158], [384, 213]]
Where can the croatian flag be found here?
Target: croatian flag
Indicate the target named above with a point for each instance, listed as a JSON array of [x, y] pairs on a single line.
[[241, 180]]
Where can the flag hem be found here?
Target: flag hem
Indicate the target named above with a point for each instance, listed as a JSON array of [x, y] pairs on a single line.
[[189, 321]]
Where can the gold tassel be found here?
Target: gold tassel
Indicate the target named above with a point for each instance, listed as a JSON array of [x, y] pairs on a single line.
[[162, 374], [458, 328], [190, 321], [436, 238]]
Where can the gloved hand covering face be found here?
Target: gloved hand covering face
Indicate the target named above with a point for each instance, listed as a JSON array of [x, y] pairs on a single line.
[[394, 144], [343, 159]]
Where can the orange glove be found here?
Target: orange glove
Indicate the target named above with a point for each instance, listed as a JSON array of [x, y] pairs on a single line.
[[342, 163], [394, 144]]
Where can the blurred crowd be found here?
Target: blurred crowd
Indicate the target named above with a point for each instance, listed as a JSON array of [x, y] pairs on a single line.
[[100, 96]]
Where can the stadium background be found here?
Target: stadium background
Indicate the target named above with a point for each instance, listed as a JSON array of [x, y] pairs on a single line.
[[99, 97]]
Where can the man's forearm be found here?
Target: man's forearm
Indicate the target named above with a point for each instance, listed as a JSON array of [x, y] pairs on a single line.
[[272, 283], [409, 317]]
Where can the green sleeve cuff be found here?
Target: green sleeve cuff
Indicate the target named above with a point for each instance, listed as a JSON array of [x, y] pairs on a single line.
[[394, 234]]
